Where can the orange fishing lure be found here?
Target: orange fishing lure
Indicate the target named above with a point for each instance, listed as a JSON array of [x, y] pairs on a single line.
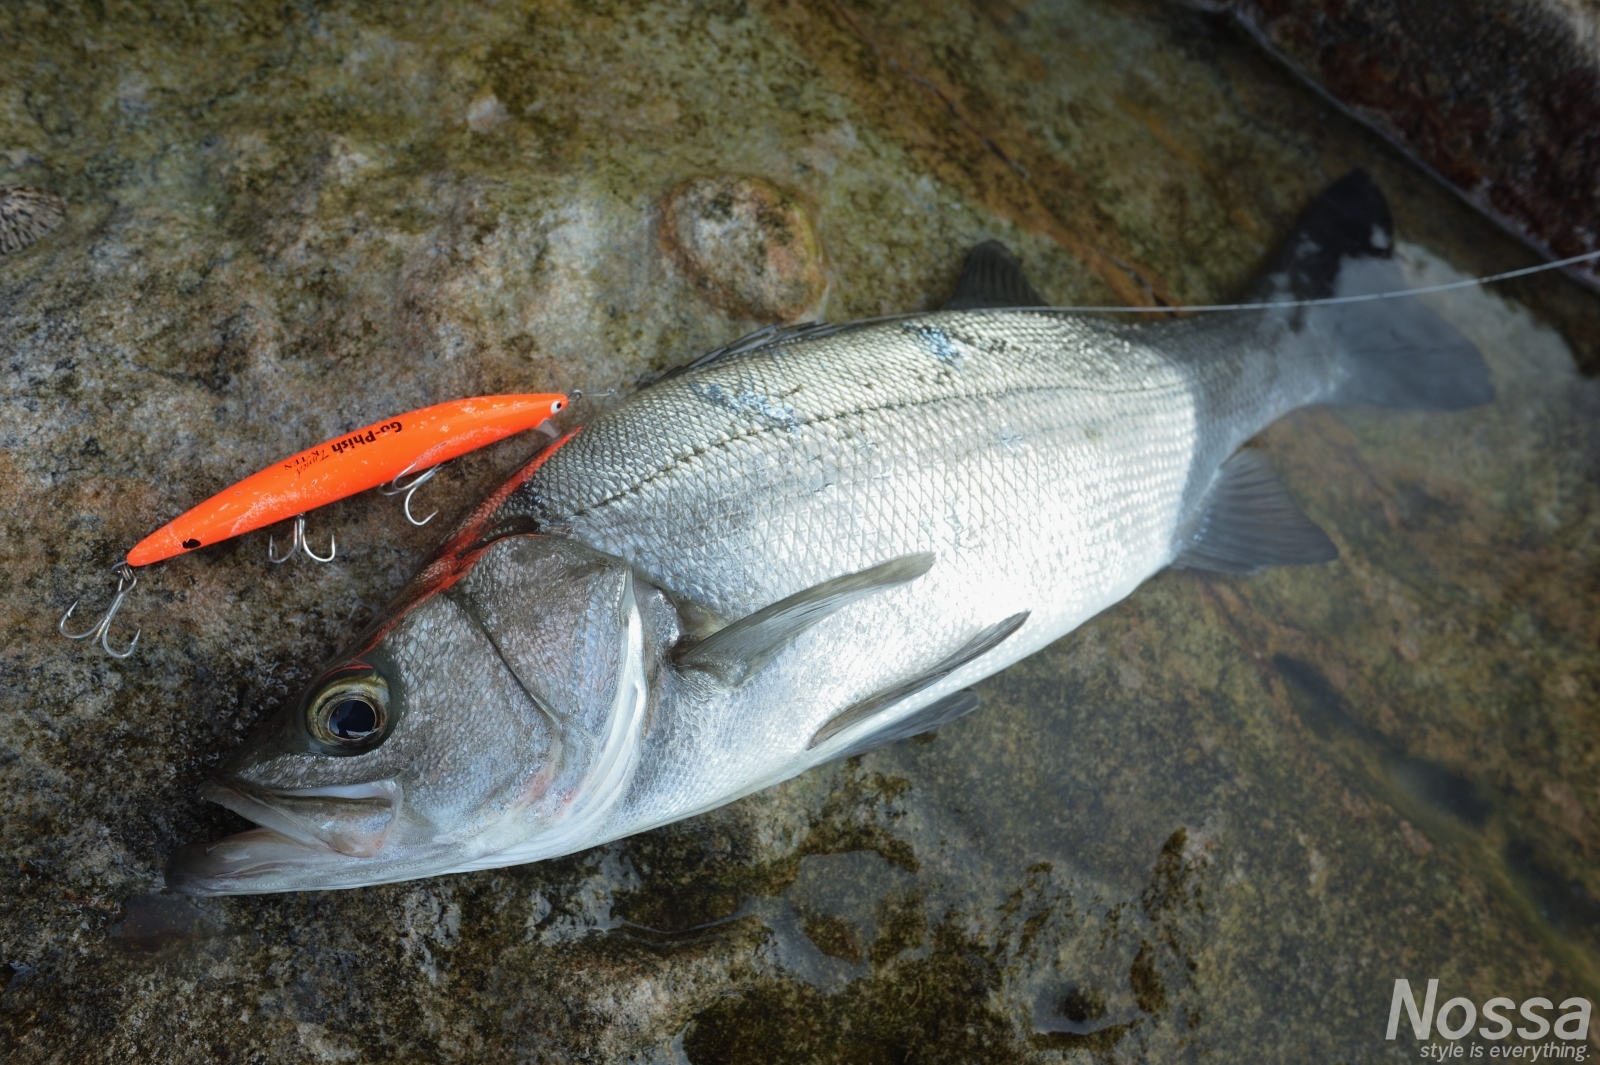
[[345, 465]]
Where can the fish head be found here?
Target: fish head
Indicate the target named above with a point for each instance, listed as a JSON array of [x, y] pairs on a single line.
[[491, 721]]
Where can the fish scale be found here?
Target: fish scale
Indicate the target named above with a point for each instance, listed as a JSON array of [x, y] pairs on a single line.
[[717, 501], [806, 545], [1046, 473]]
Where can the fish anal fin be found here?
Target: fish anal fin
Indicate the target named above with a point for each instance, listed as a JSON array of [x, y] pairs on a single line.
[[736, 653], [874, 704], [1248, 522], [992, 277]]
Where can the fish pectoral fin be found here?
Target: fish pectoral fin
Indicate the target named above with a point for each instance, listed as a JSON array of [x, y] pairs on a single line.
[[1248, 523], [874, 704], [735, 654], [992, 277]]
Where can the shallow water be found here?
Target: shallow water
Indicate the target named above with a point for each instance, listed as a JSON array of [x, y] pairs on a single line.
[[1218, 821]]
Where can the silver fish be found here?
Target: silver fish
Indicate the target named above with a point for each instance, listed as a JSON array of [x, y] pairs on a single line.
[[804, 546]]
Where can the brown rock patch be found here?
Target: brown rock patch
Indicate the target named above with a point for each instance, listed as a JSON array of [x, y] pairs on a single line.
[[747, 246]]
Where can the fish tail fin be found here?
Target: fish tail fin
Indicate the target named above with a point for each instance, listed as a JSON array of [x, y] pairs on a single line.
[[1387, 353]]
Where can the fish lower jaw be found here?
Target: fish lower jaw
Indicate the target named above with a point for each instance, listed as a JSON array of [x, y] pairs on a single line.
[[255, 862], [263, 861], [289, 853], [352, 820]]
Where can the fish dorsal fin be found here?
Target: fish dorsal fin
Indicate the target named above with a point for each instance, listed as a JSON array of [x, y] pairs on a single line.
[[856, 712], [992, 278], [934, 715], [735, 654], [766, 337], [1248, 522]]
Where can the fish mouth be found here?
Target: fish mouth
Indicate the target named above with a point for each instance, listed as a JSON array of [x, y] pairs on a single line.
[[257, 862], [351, 819], [308, 838]]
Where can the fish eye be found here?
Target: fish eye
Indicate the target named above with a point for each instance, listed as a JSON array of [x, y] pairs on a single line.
[[350, 714]]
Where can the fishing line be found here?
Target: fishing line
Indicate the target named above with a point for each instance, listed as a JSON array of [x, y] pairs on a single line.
[[1325, 301], [1328, 301]]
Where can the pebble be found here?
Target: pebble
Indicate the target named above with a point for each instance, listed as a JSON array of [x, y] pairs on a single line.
[[746, 245]]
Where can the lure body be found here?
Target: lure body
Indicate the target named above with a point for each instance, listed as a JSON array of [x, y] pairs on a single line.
[[345, 465]]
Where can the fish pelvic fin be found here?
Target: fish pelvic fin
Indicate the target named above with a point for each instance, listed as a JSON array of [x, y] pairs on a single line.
[[981, 644], [735, 654], [1389, 352], [991, 278], [1249, 523], [935, 715]]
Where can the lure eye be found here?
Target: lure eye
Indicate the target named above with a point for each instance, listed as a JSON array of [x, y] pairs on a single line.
[[350, 714]]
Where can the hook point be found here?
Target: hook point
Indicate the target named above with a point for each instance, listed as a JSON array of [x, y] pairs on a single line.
[[126, 581], [396, 486]]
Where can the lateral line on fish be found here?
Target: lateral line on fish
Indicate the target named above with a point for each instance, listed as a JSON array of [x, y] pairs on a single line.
[[1326, 301], [679, 461]]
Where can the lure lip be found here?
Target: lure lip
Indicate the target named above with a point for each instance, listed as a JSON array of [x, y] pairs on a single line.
[[346, 464]]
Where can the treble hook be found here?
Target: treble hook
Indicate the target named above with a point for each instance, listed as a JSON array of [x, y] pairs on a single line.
[[301, 543], [126, 579], [395, 487]]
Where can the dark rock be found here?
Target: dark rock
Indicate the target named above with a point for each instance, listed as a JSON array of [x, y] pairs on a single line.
[[159, 920], [1501, 99]]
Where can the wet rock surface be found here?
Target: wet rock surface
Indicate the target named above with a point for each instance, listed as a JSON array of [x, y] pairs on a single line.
[[1218, 821]]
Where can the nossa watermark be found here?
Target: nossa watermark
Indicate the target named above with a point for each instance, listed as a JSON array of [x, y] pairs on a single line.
[[1457, 1017]]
